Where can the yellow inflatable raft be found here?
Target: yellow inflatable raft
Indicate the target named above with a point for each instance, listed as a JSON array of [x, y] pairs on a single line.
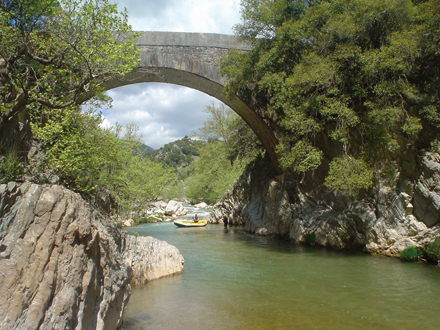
[[182, 223]]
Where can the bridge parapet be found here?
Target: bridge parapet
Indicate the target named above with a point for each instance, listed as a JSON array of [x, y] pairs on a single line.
[[211, 40]]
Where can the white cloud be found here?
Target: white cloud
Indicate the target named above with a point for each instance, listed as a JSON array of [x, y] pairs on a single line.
[[209, 16], [164, 113]]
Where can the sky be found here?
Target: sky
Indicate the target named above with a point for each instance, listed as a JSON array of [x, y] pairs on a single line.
[[165, 112]]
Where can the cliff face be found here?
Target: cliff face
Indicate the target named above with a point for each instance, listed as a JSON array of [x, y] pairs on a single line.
[[64, 265], [401, 210]]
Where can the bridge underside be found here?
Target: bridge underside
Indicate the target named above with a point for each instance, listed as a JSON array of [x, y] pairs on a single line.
[[214, 89]]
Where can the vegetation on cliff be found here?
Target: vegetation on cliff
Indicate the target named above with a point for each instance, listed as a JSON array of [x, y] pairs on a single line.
[[353, 82]]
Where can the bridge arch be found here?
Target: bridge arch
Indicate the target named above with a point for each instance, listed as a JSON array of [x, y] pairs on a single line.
[[192, 60]]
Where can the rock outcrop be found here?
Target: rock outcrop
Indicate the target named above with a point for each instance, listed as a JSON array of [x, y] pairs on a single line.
[[63, 265], [400, 211]]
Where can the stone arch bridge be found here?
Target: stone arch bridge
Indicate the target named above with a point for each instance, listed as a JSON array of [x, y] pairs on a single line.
[[192, 60]]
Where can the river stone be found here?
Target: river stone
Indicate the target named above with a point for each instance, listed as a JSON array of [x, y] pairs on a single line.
[[64, 265], [175, 208], [201, 205], [128, 223]]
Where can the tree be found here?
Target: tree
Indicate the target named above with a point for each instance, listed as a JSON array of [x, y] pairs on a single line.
[[88, 157], [225, 125], [212, 174], [55, 53], [230, 146], [360, 76]]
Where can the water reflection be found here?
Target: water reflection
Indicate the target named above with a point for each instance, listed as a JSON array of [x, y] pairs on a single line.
[[233, 280]]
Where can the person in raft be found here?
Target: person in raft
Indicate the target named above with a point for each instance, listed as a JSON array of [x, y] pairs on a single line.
[[196, 218], [225, 220]]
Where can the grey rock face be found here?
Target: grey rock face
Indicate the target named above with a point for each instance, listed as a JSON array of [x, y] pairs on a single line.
[[401, 211], [64, 265]]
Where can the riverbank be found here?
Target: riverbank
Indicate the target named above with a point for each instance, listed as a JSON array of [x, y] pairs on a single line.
[[401, 211]]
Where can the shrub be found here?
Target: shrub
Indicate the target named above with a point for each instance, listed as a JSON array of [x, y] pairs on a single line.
[[138, 221], [10, 167], [411, 254], [310, 238], [347, 238], [433, 250]]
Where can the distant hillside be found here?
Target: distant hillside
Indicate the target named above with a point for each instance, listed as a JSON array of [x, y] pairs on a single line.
[[142, 150], [178, 154]]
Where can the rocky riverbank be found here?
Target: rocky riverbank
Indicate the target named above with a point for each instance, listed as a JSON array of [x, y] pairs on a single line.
[[402, 209], [63, 265]]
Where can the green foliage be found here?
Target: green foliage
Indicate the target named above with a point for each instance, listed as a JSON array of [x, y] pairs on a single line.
[[310, 238], [56, 53], [348, 174], [302, 157], [432, 251], [10, 167], [87, 156], [435, 146], [359, 76], [229, 146], [212, 174], [139, 221], [411, 254], [226, 126]]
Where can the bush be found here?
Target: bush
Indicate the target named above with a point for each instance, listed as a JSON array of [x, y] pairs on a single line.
[[411, 254], [433, 250], [310, 238], [151, 219], [10, 167]]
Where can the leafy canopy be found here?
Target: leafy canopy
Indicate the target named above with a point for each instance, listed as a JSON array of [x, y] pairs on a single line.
[[55, 53], [353, 81]]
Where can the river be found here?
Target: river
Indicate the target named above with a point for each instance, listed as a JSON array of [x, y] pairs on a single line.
[[233, 280]]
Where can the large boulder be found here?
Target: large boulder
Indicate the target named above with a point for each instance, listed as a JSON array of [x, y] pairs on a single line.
[[175, 208], [63, 265], [201, 205], [163, 258]]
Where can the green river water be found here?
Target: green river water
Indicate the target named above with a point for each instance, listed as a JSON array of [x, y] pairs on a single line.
[[233, 280]]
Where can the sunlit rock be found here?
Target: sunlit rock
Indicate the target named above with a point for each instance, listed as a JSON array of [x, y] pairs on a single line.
[[201, 205], [174, 207], [62, 263], [128, 223]]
